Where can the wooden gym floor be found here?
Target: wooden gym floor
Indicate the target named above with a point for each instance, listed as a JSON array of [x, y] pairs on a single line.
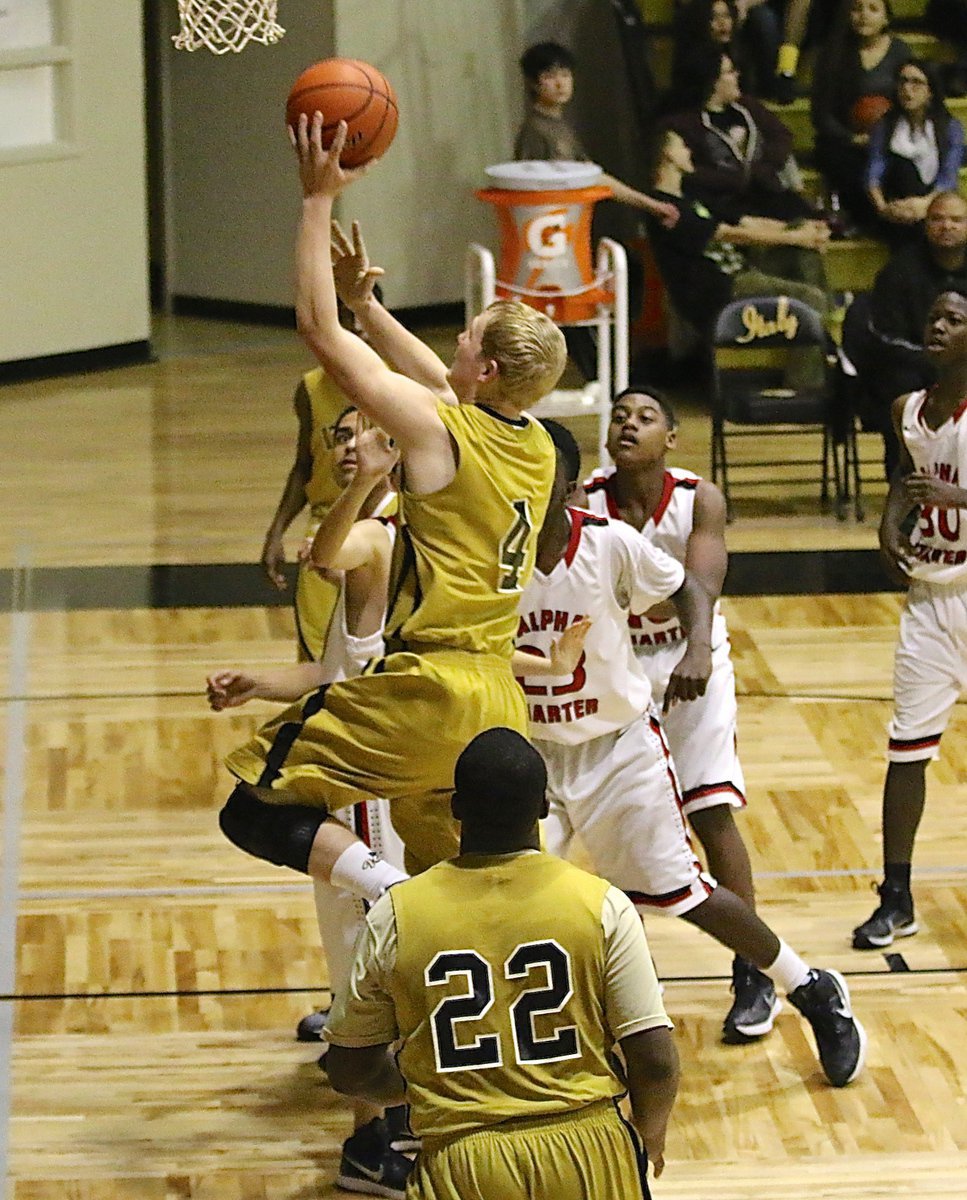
[[151, 976]]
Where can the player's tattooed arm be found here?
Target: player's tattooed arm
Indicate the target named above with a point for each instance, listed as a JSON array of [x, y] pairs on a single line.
[[706, 562]]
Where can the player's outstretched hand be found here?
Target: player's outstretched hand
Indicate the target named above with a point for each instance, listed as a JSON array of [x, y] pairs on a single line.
[[351, 268], [230, 689], [376, 455], [690, 678], [319, 169], [566, 651]]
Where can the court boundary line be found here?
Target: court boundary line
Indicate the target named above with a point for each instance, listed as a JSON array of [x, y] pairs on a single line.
[[296, 888], [324, 989]]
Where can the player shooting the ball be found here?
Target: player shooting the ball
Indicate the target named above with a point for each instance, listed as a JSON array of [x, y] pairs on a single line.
[[476, 478]]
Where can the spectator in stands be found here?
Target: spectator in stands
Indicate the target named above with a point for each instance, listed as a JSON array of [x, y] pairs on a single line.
[[700, 25], [859, 63], [915, 151], [948, 20], [741, 152], [700, 261], [882, 333], [545, 135]]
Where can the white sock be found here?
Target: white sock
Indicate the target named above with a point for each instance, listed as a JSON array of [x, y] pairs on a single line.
[[361, 871], [788, 970], [341, 916]]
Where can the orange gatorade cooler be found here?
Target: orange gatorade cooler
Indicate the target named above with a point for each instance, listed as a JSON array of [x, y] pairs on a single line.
[[544, 212]]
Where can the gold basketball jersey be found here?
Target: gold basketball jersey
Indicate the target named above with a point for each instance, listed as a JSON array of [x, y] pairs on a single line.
[[499, 992], [465, 553]]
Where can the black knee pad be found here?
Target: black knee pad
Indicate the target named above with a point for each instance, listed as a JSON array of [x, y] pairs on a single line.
[[280, 833]]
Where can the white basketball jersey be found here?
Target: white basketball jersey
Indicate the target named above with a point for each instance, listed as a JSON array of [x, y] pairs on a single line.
[[607, 569], [344, 654], [939, 538], [669, 528]]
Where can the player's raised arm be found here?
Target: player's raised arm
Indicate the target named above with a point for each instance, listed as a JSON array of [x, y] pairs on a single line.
[[342, 542], [355, 277], [406, 410]]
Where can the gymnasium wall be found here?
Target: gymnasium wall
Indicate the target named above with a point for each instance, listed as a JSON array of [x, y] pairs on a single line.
[[73, 250], [232, 194], [223, 198], [232, 190]]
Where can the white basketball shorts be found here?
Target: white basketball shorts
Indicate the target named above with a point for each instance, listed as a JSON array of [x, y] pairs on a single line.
[[929, 669], [701, 733], [620, 795]]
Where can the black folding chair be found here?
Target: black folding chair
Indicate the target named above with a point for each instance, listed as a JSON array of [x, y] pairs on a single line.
[[753, 341]]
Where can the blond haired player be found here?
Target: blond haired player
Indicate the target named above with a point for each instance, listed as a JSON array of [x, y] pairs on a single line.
[[930, 667], [509, 975], [477, 475]]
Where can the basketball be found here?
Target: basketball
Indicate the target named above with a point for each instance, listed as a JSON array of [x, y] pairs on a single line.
[[345, 89], [867, 111]]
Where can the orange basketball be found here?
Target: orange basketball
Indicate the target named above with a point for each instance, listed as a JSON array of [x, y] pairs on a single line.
[[867, 111], [345, 89]]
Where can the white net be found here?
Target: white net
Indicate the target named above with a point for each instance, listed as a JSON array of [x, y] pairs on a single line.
[[223, 25]]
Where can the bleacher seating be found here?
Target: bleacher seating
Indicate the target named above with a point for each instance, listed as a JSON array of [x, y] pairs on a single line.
[[852, 263]]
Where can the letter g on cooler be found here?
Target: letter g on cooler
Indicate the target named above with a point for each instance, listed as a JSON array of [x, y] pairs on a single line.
[[547, 235]]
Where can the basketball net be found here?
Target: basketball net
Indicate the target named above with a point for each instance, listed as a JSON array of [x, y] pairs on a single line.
[[223, 25]]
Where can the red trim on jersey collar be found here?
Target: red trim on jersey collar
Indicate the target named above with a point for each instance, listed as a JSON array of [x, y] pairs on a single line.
[[609, 499], [579, 518], [667, 491], [668, 485], [954, 416]]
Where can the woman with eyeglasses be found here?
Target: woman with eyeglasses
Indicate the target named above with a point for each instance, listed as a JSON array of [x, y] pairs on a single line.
[[915, 151], [853, 80]]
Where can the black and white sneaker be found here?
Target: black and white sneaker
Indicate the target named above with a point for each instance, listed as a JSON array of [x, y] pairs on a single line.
[[840, 1039], [310, 1027], [892, 918], [401, 1137], [755, 1006], [370, 1166]]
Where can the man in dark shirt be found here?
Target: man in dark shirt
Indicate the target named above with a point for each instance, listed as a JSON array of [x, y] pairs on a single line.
[[883, 337], [700, 260]]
